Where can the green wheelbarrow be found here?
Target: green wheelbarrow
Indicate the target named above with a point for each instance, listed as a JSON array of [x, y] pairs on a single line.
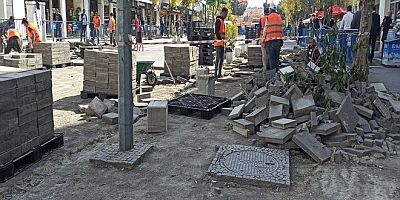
[[146, 67]]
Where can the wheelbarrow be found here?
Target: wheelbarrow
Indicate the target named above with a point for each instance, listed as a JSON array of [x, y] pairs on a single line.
[[146, 67]]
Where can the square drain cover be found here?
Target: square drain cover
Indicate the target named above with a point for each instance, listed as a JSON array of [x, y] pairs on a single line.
[[253, 165]]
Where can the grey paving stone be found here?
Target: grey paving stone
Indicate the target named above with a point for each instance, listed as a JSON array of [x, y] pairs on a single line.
[[96, 108], [303, 105], [368, 113], [275, 100], [319, 152], [275, 112], [293, 92], [374, 125], [261, 92], [382, 108], [325, 129], [347, 115], [245, 124], [110, 118], [379, 87], [236, 112], [395, 105], [314, 119], [284, 123], [257, 116], [252, 165], [250, 104], [238, 96], [276, 135]]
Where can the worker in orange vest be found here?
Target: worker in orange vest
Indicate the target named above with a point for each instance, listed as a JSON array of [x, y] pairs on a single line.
[[220, 31], [111, 29], [32, 31], [14, 41], [273, 36], [96, 25], [264, 49]]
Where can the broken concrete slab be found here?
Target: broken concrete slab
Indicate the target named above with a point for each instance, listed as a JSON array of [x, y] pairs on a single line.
[[325, 129], [96, 108], [368, 113], [257, 116], [251, 93], [275, 100], [335, 96], [275, 112], [110, 118], [261, 92], [303, 119], [293, 92], [245, 124], [347, 115], [111, 108], [237, 96], [365, 127], [276, 135], [303, 105], [314, 119], [241, 131], [395, 105], [385, 96], [379, 87], [261, 101], [284, 123], [382, 108], [250, 104], [319, 152], [236, 112]]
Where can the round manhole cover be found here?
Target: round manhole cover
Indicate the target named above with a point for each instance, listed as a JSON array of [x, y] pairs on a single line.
[[250, 162]]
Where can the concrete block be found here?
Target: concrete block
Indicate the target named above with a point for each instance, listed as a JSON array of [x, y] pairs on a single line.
[[293, 92], [241, 131], [236, 112], [157, 117], [96, 108], [245, 124], [275, 112], [276, 135], [334, 96], [257, 116], [226, 111], [141, 96], [379, 134], [110, 118], [358, 152], [237, 96], [326, 128], [206, 84], [368, 142], [368, 113], [275, 100], [250, 104], [284, 123], [383, 110], [253, 90], [314, 119], [374, 125], [303, 119], [303, 105], [261, 101], [319, 152], [379, 87], [111, 108], [395, 105], [261, 92], [347, 115]]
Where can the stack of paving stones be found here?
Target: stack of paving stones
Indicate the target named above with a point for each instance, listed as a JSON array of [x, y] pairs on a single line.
[[26, 111], [53, 53], [22, 60], [100, 73], [254, 56], [182, 60], [206, 56], [251, 32], [364, 122]]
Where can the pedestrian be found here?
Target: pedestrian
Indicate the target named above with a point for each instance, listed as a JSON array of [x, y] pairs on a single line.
[[315, 22], [83, 25], [177, 27], [4, 27], [347, 19], [97, 25], [355, 23], [374, 32], [91, 26], [219, 32], [58, 22], [111, 29], [262, 29], [273, 36], [300, 29], [386, 25], [162, 28], [14, 41], [139, 35]]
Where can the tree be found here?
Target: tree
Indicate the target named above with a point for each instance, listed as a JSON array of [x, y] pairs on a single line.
[[239, 8]]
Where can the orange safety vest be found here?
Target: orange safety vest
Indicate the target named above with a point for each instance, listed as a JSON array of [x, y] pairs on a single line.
[[33, 32], [274, 27], [96, 22], [14, 33], [263, 20], [111, 24], [222, 31]]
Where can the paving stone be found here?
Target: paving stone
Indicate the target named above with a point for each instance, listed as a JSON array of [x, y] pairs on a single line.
[[360, 131], [338, 137], [358, 152], [261, 92], [395, 105], [368, 113], [325, 129], [275, 112], [261, 101], [251, 93], [257, 116], [250, 104], [157, 117], [245, 124], [237, 96], [111, 155], [293, 92], [368, 142], [385, 96], [253, 165], [374, 125], [275, 100], [303, 105], [236, 112], [379, 134], [379, 87], [242, 131], [284, 123], [394, 136], [347, 115], [332, 115], [335, 96], [303, 119], [314, 119], [319, 152], [366, 127], [96, 108], [111, 108], [384, 110], [110, 118], [276, 135], [226, 111]]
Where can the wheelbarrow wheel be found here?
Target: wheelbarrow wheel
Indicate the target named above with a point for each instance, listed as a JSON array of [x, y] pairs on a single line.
[[151, 78]]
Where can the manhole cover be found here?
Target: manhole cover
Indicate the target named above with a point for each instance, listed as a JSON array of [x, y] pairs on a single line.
[[251, 164]]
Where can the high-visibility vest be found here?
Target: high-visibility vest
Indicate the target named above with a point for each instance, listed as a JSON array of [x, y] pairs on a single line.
[[14, 33], [222, 31], [96, 22], [33, 32], [111, 24], [274, 27], [263, 21]]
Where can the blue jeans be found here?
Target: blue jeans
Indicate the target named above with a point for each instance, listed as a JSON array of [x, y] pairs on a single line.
[[83, 33]]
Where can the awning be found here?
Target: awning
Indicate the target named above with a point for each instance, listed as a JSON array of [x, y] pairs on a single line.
[[145, 1]]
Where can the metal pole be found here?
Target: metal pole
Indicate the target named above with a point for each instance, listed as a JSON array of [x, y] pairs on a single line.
[[125, 96], [51, 18]]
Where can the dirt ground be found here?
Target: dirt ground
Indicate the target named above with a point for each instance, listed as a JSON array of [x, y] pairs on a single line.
[[176, 169]]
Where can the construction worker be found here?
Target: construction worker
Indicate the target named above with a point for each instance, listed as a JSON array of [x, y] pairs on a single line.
[[111, 29], [32, 32], [14, 41], [220, 31], [4, 27], [96, 25], [273, 36], [261, 27]]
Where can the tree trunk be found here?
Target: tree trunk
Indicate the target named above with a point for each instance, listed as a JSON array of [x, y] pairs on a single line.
[[150, 33], [361, 63]]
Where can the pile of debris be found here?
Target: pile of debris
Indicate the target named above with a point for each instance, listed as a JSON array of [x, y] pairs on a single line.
[[108, 110], [362, 122]]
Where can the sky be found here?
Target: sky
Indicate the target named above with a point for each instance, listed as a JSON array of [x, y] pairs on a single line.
[[259, 3]]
